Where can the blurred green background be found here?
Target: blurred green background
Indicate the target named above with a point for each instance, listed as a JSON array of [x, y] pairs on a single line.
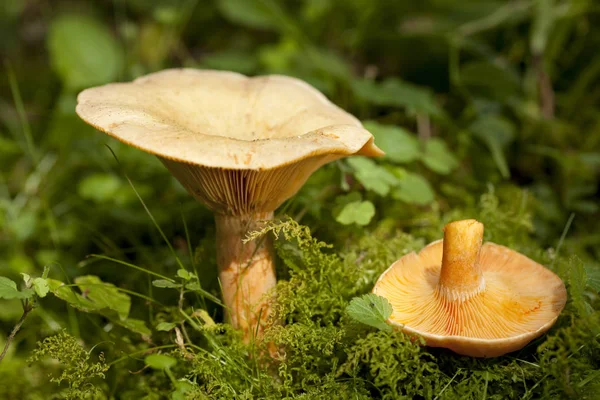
[[466, 97]]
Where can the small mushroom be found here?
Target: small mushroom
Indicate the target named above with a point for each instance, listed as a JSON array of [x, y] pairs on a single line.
[[242, 146], [479, 301]]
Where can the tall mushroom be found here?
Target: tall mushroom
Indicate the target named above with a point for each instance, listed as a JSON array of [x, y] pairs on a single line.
[[481, 301], [241, 146]]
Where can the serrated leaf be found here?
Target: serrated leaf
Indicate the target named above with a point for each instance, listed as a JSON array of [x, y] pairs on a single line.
[[165, 326], [160, 361], [163, 283], [8, 290], [372, 176], [371, 310], [85, 304], [40, 285], [413, 189], [83, 51], [356, 212], [104, 295], [438, 158], [399, 145]]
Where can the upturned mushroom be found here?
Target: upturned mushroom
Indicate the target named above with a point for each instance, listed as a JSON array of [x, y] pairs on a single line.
[[480, 301], [242, 146]]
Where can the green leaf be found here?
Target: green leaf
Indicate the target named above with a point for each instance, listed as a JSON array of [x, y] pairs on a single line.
[[183, 274], [100, 188], [165, 326], [396, 93], [134, 325], [488, 80], [8, 290], [104, 295], [438, 158], [371, 310], [163, 283], [40, 285], [399, 145], [98, 305], [356, 212], [160, 361], [83, 51], [250, 13], [413, 189], [372, 176], [592, 272], [496, 133], [231, 60]]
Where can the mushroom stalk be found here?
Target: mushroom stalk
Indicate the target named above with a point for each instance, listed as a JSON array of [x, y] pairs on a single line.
[[461, 277], [246, 271]]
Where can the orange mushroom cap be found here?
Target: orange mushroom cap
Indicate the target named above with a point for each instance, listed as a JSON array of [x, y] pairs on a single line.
[[480, 301]]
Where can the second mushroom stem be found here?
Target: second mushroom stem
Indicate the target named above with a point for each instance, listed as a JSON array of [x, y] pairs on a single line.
[[461, 277], [246, 271]]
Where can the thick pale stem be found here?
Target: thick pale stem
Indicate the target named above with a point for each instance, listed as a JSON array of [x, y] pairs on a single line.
[[246, 271], [461, 277]]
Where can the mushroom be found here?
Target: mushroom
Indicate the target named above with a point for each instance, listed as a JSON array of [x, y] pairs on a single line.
[[479, 301], [242, 146]]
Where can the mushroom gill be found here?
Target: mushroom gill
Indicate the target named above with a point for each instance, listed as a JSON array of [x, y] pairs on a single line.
[[479, 300]]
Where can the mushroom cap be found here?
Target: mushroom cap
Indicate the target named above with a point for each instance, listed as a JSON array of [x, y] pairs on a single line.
[[521, 301], [222, 119]]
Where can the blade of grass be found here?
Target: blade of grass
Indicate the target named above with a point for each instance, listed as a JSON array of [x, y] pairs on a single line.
[[102, 257], [150, 215], [562, 238], [16, 94]]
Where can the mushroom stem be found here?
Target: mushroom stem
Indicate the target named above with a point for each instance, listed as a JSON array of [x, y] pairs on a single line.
[[461, 277], [246, 271]]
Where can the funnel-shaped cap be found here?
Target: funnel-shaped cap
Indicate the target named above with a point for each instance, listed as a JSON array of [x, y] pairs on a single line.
[[238, 144]]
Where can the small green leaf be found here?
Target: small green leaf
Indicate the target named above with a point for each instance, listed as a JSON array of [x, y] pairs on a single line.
[[250, 13], [399, 145], [231, 60], [83, 51], [183, 274], [413, 189], [8, 290], [356, 212], [396, 93], [371, 310], [438, 158], [165, 326], [496, 133], [99, 188], [372, 176], [27, 279], [163, 283], [134, 325], [40, 285], [104, 295], [160, 361]]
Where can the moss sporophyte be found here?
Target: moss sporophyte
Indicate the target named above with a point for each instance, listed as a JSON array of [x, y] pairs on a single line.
[[239, 145], [477, 300]]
